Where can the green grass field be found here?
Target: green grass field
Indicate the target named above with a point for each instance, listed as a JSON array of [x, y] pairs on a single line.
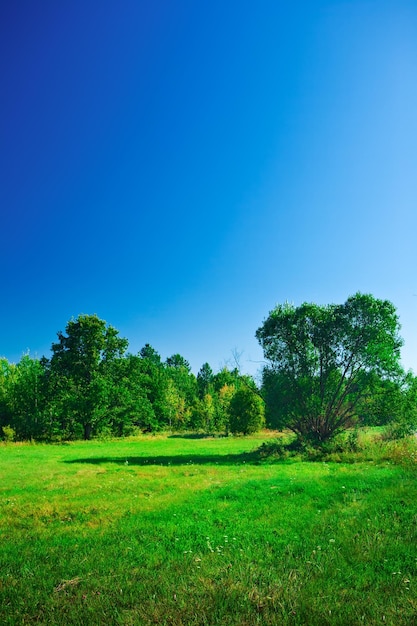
[[175, 530]]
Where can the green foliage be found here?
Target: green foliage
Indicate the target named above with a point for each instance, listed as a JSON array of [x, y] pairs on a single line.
[[150, 354], [404, 422], [8, 434], [23, 399], [323, 360], [156, 384], [328, 367], [129, 407], [392, 402], [231, 378], [204, 380], [382, 401], [246, 411], [204, 414], [28, 399], [80, 364], [178, 362], [223, 399], [7, 379], [182, 391]]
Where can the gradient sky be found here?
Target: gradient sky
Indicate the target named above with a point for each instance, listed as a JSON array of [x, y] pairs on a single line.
[[179, 167]]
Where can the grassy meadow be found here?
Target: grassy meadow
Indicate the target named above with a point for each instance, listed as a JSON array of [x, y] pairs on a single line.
[[203, 531]]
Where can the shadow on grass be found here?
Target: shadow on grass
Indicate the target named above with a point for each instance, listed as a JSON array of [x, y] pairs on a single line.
[[196, 436], [186, 459]]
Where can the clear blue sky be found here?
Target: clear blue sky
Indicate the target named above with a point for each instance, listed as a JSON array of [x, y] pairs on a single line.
[[178, 168]]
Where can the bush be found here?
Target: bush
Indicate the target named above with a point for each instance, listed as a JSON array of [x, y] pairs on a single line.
[[336, 449], [246, 412], [8, 434]]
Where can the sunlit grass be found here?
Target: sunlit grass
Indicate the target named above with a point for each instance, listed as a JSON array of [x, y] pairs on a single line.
[[159, 530]]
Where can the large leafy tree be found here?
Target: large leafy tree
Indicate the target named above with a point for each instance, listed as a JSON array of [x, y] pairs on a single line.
[[81, 373], [322, 359]]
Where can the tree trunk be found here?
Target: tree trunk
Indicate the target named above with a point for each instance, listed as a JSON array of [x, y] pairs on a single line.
[[87, 431]]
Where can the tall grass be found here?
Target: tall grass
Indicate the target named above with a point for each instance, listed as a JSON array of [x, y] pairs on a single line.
[[181, 531]]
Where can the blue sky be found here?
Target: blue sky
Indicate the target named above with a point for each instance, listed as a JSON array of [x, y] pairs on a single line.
[[178, 168]]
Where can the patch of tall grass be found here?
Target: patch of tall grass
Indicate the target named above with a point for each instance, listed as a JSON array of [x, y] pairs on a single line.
[[351, 447]]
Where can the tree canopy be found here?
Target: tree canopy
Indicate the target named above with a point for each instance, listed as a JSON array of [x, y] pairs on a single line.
[[322, 359], [78, 366]]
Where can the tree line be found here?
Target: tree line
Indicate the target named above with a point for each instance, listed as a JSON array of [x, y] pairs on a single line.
[[91, 386], [327, 368]]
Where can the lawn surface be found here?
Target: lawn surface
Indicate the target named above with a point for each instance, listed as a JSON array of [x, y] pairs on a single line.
[[187, 531]]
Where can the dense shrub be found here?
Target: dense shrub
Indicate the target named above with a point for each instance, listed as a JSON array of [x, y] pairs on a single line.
[[246, 411]]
